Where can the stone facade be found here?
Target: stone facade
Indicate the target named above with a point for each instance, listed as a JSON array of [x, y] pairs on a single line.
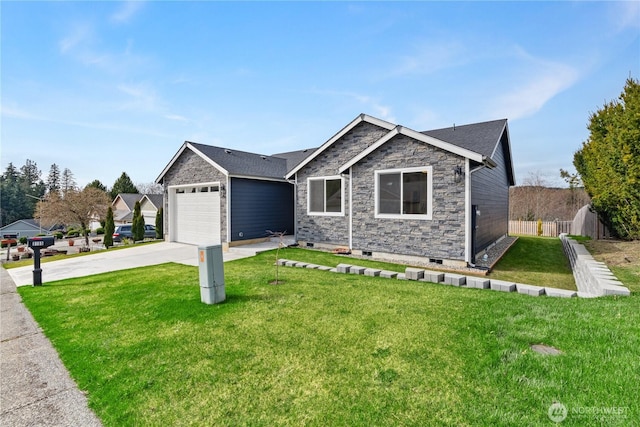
[[190, 168], [332, 230], [442, 237]]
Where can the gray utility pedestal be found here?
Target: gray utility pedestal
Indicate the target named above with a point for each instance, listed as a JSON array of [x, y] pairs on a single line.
[[211, 274]]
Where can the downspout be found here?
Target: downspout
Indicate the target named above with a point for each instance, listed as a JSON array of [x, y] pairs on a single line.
[[467, 212], [295, 208], [228, 209], [350, 210]]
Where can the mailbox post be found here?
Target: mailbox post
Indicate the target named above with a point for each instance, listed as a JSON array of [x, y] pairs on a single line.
[[37, 243], [9, 237]]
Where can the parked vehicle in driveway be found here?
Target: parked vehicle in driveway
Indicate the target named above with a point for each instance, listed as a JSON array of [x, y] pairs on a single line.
[[124, 232]]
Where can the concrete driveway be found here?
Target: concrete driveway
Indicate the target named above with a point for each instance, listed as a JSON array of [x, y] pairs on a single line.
[[137, 256]]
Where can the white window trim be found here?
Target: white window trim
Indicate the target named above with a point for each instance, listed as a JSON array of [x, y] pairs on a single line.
[[325, 178], [428, 215]]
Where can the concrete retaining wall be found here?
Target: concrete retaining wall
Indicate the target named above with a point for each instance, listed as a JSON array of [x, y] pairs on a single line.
[[593, 278]]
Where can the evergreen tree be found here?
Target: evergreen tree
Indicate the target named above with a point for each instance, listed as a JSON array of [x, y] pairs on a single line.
[[19, 192], [109, 228], [159, 224], [53, 180], [137, 227], [97, 184], [609, 162], [68, 182], [123, 185]]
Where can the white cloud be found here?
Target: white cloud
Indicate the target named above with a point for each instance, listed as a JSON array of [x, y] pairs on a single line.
[[126, 12], [431, 57], [176, 117], [79, 35], [626, 14], [532, 83], [141, 97], [16, 113]]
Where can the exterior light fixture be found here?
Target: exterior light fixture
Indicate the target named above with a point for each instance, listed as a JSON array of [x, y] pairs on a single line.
[[458, 174]]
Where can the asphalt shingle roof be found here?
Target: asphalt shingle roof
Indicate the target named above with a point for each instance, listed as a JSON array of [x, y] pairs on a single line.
[[242, 163], [480, 138]]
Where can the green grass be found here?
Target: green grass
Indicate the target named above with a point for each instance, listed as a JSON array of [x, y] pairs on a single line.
[[331, 349], [536, 261]]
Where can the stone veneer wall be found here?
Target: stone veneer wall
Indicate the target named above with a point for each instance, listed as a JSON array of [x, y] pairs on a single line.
[[190, 168], [442, 237], [332, 230]]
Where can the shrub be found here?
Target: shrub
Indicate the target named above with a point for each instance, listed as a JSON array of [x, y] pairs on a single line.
[[100, 230], [58, 235], [23, 240]]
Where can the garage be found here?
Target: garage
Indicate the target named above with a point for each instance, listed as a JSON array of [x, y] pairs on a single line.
[[196, 214]]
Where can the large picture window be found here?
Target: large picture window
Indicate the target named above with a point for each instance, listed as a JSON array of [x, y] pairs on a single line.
[[404, 193], [325, 196]]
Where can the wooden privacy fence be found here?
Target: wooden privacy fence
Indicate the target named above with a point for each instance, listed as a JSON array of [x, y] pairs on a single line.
[[549, 228]]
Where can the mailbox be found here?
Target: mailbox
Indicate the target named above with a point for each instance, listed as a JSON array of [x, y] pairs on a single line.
[[40, 242], [37, 243]]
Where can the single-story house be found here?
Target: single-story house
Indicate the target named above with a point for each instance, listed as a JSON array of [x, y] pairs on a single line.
[[25, 228], [390, 192], [375, 188], [124, 204], [223, 196]]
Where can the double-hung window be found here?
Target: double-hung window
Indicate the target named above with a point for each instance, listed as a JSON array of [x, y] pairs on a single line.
[[325, 196], [404, 193]]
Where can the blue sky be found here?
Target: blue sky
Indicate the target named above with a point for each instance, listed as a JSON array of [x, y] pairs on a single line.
[[106, 87]]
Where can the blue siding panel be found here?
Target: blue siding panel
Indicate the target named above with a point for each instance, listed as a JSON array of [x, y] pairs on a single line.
[[490, 192], [258, 206]]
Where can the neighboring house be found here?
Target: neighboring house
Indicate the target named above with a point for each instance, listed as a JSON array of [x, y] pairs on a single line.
[[124, 204], [223, 196], [390, 192], [25, 228], [149, 206]]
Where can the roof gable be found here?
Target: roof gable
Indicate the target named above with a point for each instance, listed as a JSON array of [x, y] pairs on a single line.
[[129, 199], [155, 200], [400, 130], [361, 118]]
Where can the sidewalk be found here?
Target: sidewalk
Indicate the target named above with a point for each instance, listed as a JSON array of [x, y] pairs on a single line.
[[35, 387]]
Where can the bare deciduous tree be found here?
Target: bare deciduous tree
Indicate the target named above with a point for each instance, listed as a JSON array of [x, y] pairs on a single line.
[[75, 207]]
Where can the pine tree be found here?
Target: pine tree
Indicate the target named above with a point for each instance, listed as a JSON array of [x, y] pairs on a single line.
[[123, 185], [109, 228], [53, 180]]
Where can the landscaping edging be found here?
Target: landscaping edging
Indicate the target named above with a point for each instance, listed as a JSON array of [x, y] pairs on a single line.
[[593, 278], [445, 278]]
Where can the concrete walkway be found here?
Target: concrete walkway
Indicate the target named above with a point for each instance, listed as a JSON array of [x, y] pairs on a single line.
[[35, 387]]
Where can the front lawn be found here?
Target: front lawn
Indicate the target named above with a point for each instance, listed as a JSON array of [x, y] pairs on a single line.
[[333, 349]]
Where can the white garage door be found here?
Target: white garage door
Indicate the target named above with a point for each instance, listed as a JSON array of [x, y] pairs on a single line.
[[197, 214]]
